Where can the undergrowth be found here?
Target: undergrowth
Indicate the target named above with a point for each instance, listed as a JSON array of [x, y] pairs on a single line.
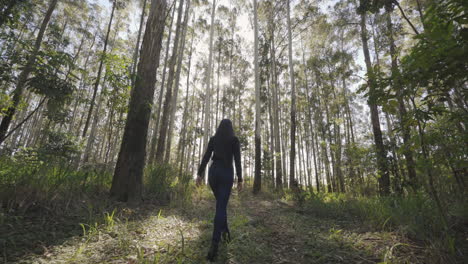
[[414, 216]]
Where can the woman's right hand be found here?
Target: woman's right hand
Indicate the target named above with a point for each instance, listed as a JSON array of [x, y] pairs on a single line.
[[239, 186]]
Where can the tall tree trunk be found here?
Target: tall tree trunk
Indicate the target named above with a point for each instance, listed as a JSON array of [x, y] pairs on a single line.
[[137, 46], [396, 77], [383, 175], [154, 139], [293, 103], [207, 114], [180, 57], [163, 129], [98, 78], [274, 83], [127, 183], [258, 122], [183, 132], [23, 77]]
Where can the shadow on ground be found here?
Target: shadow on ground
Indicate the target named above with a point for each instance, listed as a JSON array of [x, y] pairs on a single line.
[[264, 230]]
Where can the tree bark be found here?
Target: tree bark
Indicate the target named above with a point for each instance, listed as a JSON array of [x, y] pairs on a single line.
[[258, 122], [176, 85], [383, 175], [127, 183], [276, 129], [396, 77], [206, 126], [154, 139], [137, 46], [293, 103], [163, 129], [98, 78]]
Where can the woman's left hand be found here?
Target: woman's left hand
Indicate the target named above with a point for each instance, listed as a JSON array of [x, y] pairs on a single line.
[[199, 180]]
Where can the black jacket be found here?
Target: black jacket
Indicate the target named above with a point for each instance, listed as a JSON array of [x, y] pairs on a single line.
[[232, 151]]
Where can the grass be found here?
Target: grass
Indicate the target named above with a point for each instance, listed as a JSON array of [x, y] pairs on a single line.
[[415, 217], [56, 214]]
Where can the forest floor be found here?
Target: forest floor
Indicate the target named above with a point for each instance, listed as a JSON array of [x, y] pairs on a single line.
[[264, 230]]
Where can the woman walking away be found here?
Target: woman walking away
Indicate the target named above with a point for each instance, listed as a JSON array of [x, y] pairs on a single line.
[[225, 147]]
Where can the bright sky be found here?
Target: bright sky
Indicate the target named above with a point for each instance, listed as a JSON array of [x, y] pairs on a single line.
[[245, 30]]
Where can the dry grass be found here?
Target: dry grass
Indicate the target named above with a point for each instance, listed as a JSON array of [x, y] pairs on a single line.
[[264, 229]]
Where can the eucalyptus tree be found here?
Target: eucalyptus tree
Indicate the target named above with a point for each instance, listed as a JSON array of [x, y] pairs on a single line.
[[382, 166], [99, 73], [137, 46], [258, 122], [206, 126], [293, 102], [182, 144], [398, 87], [23, 77], [180, 58], [270, 10], [127, 183], [154, 139], [163, 129]]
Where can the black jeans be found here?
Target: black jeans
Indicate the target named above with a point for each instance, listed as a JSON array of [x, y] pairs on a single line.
[[221, 180]]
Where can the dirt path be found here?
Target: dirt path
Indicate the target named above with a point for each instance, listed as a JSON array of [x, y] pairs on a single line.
[[264, 230]]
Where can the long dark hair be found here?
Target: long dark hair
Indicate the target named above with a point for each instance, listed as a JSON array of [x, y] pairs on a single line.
[[223, 139]]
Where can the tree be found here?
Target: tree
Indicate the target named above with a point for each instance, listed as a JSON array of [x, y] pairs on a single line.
[[180, 57], [137, 46], [127, 183], [206, 126], [258, 122], [23, 77], [398, 87], [383, 174], [293, 103], [101, 63], [163, 129]]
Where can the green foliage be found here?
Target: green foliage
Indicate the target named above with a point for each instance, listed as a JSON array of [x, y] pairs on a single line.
[[34, 177], [414, 216], [58, 147], [48, 83], [164, 183]]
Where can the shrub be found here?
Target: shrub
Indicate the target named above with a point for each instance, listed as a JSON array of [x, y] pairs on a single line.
[[166, 184]]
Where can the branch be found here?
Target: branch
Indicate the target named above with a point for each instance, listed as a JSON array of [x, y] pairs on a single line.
[[26, 119], [405, 17]]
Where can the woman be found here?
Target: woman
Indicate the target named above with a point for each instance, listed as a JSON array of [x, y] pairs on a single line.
[[225, 147]]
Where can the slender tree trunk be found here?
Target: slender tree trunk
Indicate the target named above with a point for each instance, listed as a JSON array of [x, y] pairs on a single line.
[[127, 183], [383, 175], [276, 130], [23, 77], [137, 46], [154, 139], [396, 77], [163, 129], [429, 168], [183, 132], [176, 85], [206, 126], [98, 78], [258, 122], [217, 83], [293, 103]]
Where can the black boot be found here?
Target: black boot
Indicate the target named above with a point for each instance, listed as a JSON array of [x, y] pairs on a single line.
[[226, 236], [213, 251]]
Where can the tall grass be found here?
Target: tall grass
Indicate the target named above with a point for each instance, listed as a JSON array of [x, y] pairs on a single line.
[[415, 216], [164, 183], [27, 181]]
